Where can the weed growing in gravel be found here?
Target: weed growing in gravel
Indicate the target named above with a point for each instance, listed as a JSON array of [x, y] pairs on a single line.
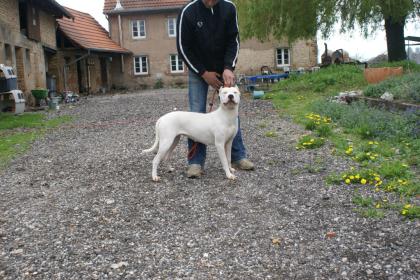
[[362, 201], [310, 142], [371, 213], [410, 211], [270, 133]]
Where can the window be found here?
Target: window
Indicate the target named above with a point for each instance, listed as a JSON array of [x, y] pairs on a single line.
[[8, 54], [141, 66], [172, 27], [23, 17], [28, 60], [177, 66], [283, 57], [138, 29]]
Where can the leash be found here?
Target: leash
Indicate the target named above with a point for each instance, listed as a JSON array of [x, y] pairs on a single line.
[[193, 150]]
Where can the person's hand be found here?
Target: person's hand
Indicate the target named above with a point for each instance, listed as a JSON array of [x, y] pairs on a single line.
[[212, 78], [228, 78]]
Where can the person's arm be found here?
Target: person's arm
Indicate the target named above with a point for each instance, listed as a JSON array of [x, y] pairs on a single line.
[[232, 41], [185, 41]]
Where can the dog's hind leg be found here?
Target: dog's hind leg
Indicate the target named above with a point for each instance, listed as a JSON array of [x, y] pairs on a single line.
[[170, 152], [164, 147]]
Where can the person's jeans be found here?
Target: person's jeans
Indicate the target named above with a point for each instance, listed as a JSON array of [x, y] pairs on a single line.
[[197, 96]]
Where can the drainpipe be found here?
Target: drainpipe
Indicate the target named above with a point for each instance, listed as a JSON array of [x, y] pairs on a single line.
[[121, 41]]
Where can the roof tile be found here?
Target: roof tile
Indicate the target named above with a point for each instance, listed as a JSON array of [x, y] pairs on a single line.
[[85, 31], [143, 4]]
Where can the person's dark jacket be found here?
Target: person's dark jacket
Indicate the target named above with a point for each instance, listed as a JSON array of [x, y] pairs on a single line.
[[208, 39]]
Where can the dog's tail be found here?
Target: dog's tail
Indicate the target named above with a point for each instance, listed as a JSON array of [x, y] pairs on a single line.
[[155, 146]]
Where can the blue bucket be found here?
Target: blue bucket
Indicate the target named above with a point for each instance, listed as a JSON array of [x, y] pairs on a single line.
[[257, 94]]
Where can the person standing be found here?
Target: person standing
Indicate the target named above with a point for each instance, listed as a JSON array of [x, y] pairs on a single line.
[[208, 42]]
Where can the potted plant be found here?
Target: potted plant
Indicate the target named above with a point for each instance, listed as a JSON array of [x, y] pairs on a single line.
[[39, 94]]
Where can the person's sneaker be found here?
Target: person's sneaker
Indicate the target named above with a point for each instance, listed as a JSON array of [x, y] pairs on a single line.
[[194, 171], [243, 164]]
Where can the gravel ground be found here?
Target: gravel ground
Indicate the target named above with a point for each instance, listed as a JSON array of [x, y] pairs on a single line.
[[80, 204]]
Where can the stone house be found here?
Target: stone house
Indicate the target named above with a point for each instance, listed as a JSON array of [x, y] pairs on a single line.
[[148, 29], [28, 39], [86, 55]]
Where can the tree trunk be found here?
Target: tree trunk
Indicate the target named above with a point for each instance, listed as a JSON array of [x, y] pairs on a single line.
[[395, 39]]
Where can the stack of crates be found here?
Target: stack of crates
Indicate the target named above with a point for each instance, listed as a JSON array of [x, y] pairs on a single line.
[[11, 99]]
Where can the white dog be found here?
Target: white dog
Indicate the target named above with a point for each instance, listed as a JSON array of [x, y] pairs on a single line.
[[218, 127]]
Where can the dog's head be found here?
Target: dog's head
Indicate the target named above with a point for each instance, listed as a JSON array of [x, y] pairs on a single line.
[[229, 97]]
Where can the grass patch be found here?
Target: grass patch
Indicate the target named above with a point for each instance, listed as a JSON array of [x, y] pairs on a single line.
[[403, 88], [27, 120], [12, 142], [270, 134], [362, 201], [408, 66], [384, 145], [371, 213]]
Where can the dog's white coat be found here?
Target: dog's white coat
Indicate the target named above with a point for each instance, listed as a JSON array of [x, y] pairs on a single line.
[[218, 127]]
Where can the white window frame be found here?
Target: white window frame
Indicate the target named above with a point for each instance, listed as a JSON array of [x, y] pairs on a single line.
[[138, 24], [282, 57], [178, 64], [140, 59], [173, 21]]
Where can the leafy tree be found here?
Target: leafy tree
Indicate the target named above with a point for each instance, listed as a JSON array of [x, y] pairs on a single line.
[[296, 19]]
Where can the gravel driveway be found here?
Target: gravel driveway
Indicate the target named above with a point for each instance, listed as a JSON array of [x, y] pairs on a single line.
[[80, 204]]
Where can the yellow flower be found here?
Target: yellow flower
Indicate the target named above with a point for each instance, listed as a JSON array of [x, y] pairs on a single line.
[[363, 181], [377, 179], [347, 181], [351, 177], [404, 212], [408, 206], [378, 205], [357, 176], [370, 142]]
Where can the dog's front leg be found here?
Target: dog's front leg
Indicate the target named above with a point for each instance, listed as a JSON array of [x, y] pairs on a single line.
[[228, 150], [220, 147]]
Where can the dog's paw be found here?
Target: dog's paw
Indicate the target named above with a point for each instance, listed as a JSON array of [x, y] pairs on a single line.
[[156, 179], [231, 177], [232, 169]]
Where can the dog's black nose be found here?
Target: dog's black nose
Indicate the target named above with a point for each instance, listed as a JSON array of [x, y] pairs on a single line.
[[231, 96]]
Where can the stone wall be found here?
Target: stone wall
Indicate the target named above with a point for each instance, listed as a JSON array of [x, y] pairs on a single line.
[[26, 56]]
